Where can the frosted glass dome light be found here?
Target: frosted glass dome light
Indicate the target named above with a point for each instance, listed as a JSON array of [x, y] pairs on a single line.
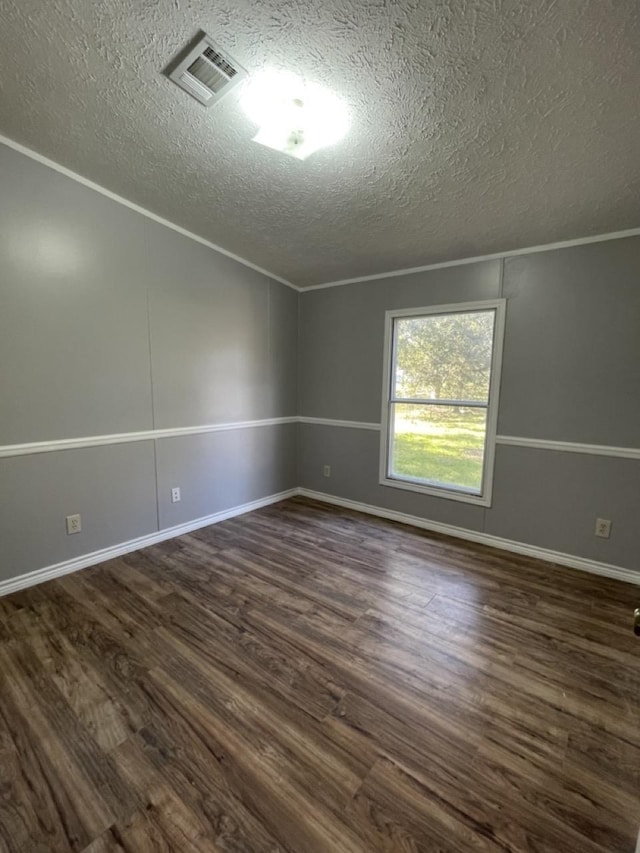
[[295, 117]]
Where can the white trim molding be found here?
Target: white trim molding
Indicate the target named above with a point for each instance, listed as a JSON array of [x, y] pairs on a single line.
[[57, 167], [546, 247], [128, 437], [570, 447], [508, 440], [335, 423], [34, 447], [572, 561], [96, 557], [495, 256]]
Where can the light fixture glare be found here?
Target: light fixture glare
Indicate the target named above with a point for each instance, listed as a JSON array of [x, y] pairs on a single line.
[[295, 117]]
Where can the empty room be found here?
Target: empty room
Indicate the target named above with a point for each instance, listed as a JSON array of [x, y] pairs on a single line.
[[319, 426]]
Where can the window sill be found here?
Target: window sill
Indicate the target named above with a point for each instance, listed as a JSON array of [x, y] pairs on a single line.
[[435, 491]]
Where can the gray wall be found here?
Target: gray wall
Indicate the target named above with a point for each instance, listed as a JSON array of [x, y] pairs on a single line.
[[571, 372], [113, 323]]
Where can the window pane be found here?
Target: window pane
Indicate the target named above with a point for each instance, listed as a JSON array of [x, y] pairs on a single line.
[[444, 356], [438, 445]]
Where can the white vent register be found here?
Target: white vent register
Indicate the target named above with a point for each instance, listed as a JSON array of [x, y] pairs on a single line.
[[206, 72]]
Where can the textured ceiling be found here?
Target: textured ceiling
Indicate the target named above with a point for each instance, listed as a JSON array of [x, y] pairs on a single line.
[[477, 126]]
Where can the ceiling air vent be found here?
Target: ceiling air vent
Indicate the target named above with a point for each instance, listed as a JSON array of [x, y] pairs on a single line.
[[206, 72]]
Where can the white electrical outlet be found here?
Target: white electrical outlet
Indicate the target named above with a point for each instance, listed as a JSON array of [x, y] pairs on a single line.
[[603, 528], [175, 495], [327, 470], [74, 524]]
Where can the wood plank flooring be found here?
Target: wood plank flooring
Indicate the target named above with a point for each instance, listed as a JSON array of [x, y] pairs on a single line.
[[310, 679]]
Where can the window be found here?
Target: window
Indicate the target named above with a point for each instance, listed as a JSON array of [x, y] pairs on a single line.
[[440, 401]]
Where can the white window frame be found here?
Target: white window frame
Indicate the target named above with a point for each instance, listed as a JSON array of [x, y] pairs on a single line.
[[448, 492]]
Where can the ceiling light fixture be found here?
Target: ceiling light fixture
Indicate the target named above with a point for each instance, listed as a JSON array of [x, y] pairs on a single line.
[[295, 117]]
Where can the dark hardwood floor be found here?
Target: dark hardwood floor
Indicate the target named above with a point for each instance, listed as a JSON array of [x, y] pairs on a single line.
[[311, 679]]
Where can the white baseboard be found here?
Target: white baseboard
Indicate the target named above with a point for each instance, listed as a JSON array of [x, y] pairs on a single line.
[[95, 557], [581, 563], [84, 561]]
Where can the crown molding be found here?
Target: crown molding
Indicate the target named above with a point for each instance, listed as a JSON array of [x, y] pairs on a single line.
[[546, 247], [63, 170]]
